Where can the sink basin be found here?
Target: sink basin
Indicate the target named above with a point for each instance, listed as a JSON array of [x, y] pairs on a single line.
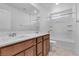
[[16, 38], [20, 36]]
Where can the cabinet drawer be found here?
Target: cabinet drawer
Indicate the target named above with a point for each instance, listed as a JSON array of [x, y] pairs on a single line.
[[29, 43], [34, 41], [0, 52], [39, 48], [22, 46], [40, 54], [46, 37], [31, 51], [7, 51], [14, 49], [20, 54], [45, 48], [39, 39]]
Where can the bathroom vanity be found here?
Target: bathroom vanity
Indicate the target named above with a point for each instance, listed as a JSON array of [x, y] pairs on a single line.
[[37, 45]]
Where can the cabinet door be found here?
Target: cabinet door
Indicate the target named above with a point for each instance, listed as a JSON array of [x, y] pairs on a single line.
[[16, 48], [7, 51], [31, 51], [45, 47], [20, 54], [39, 39], [48, 45], [40, 54], [39, 48]]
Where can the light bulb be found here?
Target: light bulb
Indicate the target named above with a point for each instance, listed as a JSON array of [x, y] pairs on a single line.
[[57, 3], [35, 11]]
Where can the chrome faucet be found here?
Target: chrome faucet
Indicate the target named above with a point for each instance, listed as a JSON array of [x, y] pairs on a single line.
[[12, 34], [36, 32]]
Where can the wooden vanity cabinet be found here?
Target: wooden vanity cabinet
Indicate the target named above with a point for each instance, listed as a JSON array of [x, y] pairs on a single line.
[[18, 47], [38, 46]]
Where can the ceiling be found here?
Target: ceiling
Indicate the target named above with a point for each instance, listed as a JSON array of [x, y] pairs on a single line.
[[46, 6], [26, 7], [34, 8], [52, 6]]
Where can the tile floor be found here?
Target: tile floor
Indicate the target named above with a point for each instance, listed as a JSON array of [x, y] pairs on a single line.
[[61, 52]]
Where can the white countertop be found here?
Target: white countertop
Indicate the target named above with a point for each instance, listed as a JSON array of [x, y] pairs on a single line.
[[4, 41]]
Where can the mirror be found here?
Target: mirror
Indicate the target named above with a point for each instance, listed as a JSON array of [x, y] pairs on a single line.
[[5, 20], [18, 17]]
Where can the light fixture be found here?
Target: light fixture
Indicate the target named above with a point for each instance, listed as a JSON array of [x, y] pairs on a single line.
[[57, 3], [35, 11]]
